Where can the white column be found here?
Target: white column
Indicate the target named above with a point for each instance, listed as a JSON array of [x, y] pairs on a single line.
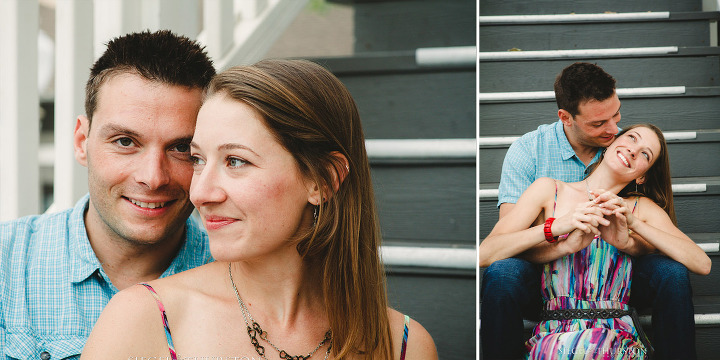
[[180, 16], [219, 24], [114, 18], [74, 57], [19, 114]]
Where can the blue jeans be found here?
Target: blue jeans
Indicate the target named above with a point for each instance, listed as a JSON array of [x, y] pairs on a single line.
[[664, 284], [511, 292]]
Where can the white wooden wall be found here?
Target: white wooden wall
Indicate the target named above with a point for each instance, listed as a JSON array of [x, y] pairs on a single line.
[[234, 32]]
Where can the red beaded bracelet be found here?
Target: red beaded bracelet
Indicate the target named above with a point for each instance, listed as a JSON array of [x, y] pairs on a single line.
[[548, 232]]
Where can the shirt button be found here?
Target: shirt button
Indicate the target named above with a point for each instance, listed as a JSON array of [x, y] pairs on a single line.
[[45, 355]]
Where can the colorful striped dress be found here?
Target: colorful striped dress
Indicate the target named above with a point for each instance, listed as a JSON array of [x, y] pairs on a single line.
[[596, 277]]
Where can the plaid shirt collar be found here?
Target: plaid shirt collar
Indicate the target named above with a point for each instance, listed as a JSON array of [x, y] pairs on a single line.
[[566, 150], [84, 262]]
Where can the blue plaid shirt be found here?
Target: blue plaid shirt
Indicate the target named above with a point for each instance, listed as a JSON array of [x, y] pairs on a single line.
[[52, 287], [545, 152]]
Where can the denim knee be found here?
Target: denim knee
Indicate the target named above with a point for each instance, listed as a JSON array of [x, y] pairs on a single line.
[[667, 272], [509, 277]]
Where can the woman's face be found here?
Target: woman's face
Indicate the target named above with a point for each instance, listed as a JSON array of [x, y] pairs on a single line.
[[634, 152], [246, 186]]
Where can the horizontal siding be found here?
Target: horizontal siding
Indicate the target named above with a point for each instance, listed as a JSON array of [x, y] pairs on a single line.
[[432, 204], [415, 105], [670, 114], [629, 73], [425, 298], [524, 7], [563, 37]]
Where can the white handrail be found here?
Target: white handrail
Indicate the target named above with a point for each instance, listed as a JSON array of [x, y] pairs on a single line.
[[485, 194], [576, 54], [255, 32], [449, 258], [508, 140], [550, 95], [561, 18], [446, 56], [421, 148]]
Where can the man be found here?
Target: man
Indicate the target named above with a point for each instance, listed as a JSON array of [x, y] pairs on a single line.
[[589, 110], [58, 271]]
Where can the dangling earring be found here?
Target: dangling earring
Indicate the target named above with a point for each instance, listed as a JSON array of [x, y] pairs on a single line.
[[315, 214], [636, 186]]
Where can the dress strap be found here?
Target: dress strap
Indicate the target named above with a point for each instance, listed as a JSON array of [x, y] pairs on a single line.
[[405, 338], [636, 204], [171, 347]]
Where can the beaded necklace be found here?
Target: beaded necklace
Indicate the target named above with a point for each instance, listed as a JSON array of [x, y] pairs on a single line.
[[256, 331]]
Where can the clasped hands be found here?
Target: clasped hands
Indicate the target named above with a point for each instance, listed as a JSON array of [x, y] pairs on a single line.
[[606, 215]]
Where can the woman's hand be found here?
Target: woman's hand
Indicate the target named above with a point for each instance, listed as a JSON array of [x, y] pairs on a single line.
[[581, 227], [576, 241], [613, 204], [620, 219], [587, 217]]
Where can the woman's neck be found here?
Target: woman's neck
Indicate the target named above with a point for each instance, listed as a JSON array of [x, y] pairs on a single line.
[[280, 290], [604, 179]]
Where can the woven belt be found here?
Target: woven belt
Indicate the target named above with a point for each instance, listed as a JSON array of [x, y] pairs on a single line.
[[566, 314]]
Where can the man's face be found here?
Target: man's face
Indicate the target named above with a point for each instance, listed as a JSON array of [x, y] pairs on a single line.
[[137, 156], [596, 123]]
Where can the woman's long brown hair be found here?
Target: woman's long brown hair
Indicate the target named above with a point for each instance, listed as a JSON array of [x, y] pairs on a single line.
[[313, 116]]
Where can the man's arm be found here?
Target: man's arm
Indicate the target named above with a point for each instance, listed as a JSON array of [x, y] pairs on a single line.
[[518, 173]]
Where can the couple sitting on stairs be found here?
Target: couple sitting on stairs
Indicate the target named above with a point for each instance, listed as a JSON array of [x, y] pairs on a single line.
[[595, 208]]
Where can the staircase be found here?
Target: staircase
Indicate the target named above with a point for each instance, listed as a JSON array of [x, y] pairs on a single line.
[[665, 58], [412, 75]]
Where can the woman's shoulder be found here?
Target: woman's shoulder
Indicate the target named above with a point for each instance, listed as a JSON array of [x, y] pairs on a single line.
[[542, 188], [420, 344], [178, 290], [643, 206], [546, 185], [132, 308]]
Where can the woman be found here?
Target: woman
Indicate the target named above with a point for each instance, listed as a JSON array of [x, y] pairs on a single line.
[[586, 237], [282, 183]]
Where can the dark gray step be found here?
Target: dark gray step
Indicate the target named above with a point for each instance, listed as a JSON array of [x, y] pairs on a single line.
[[708, 285], [706, 304], [426, 203], [425, 23], [425, 297], [696, 157], [403, 61], [706, 343], [416, 105], [668, 113], [594, 35], [522, 7], [696, 212], [540, 75], [412, 94]]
